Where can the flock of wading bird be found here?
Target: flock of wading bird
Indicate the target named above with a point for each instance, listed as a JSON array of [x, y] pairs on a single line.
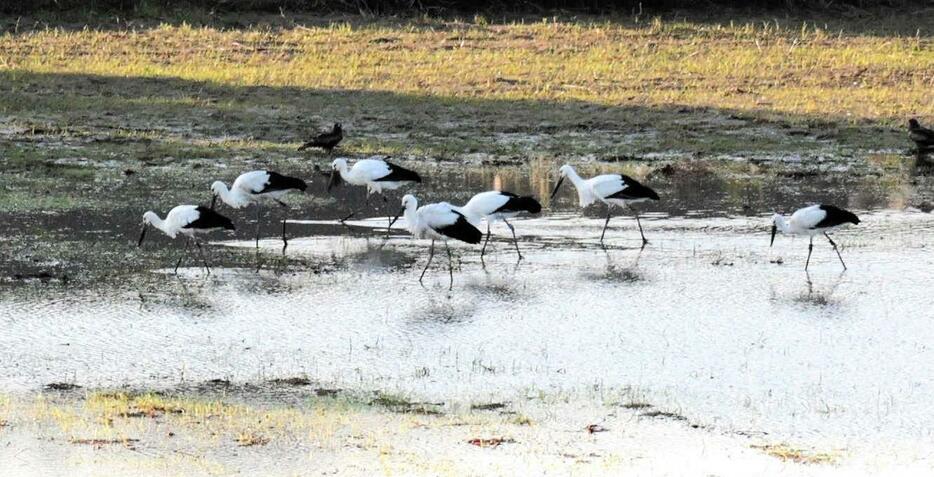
[[444, 221]]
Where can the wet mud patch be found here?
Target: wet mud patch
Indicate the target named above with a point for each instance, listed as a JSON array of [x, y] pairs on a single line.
[[492, 286], [442, 310], [403, 405], [616, 274]]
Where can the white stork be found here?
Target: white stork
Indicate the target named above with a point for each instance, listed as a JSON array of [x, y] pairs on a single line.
[[374, 173], [254, 187], [494, 206], [439, 221], [611, 189], [187, 220], [811, 221]]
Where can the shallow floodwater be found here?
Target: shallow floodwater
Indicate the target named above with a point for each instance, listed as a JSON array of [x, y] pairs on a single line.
[[707, 321]]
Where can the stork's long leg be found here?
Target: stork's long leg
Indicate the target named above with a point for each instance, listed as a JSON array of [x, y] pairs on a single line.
[[431, 254], [639, 222], [351, 214], [203, 258], [391, 220], [450, 266], [605, 224], [810, 249], [257, 226], [182, 256], [285, 241], [835, 249], [483, 250], [366, 203], [514, 239]]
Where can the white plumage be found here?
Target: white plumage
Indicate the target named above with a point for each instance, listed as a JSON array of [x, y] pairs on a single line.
[[611, 189], [439, 221], [493, 206], [375, 174], [488, 206], [254, 187], [175, 221], [811, 221], [187, 220], [803, 221]]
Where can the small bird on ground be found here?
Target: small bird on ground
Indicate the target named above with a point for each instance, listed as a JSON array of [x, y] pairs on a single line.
[[498, 205], [187, 220], [813, 220], [326, 141], [922, 137], [439, 221]]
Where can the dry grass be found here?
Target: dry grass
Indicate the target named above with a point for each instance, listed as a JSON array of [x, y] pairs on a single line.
[[798, 456], [756, 67]]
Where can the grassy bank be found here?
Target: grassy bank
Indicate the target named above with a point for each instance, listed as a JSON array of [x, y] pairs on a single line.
[[445, 86]]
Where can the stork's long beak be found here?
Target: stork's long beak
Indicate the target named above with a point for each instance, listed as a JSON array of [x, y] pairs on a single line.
[[394, 219], [142, 235], [557, 186], [335, 180], [774, 229], [213, 201]]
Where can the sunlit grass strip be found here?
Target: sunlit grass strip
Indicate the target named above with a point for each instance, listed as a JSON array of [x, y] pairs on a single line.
[[751, 67]]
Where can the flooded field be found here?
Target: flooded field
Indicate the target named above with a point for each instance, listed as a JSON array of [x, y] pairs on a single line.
[[707, 352], [707, 323]]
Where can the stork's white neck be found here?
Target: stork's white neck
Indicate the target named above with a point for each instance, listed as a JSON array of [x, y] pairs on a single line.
[[155, 221], [781, 223], [410, 216], [234, 198], [344, 170], [584, 193]]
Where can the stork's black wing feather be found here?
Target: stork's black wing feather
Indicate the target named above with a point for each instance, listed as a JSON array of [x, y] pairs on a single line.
[[399, 174], [280, 182], [461, 230], [519, 204], [634, 190], [836, 216], [210, 219]]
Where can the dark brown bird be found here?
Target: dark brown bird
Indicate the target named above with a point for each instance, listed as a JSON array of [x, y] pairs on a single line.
[[327, 141], [923, 137]]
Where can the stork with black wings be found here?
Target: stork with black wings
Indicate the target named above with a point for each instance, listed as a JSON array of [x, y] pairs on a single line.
[[255, 187], [188, 221], [438, 221], [376, 173], [611, 189], [811, 221]]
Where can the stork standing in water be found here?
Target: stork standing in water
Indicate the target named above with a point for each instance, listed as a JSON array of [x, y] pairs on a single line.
[[811, 221], [440, 221], [254, 187], [611, 189], [494, 206], [376, 174], [326, 141], [186, 220]]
